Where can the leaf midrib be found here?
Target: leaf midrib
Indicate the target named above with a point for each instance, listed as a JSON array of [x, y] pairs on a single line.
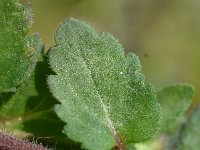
[[107, 116]]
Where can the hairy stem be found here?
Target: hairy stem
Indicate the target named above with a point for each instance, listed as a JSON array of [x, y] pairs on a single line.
[[11, 143]]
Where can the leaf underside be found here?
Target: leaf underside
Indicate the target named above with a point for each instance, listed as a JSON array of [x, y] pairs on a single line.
[[104, 100], [17, 59]]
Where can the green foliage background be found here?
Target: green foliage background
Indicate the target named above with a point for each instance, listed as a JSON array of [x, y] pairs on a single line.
[[165, 34]]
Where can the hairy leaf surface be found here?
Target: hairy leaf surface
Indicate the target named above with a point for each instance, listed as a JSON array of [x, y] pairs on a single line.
[[104, 100], [174, 102], [17, 59]]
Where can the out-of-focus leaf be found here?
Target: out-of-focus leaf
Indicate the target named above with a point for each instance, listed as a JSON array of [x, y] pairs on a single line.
[[130, 147], [190, 136], [156, 143], [17, 57], [104, 100], [174, 101]]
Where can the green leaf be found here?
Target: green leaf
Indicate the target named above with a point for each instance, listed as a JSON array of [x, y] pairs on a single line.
[[174, 102], [17, 59], [190, 135], [130, 147], [28, 112], [104, 100]]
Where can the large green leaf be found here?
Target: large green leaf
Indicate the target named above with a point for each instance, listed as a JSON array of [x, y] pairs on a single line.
[[174, 101], [104, 100], [190, 135], [17, 59]]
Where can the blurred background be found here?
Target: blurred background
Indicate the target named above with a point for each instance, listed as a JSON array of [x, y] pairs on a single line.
[[165, 34]]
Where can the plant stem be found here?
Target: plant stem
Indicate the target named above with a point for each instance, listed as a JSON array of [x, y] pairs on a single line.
[[11, 143], [120, 145]]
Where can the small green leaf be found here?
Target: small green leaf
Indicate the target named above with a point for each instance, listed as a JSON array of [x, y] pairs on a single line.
[[104, 100], [130, 147], [190, 135], [17, 59], [174, 102], [156, 143]]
